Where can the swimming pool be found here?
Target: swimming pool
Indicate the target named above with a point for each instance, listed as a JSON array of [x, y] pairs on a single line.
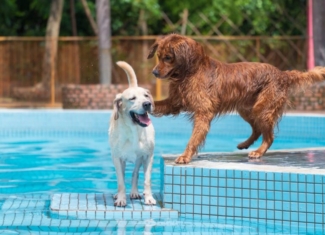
[[47, 152]]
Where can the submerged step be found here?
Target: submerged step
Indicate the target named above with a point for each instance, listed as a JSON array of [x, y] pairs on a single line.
[[101, 206]]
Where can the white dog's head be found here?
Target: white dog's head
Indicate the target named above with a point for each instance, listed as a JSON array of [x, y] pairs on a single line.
[[135, 102]]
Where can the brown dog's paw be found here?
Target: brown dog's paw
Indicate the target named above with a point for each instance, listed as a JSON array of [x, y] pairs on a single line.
[[243, 145], [255, 154], [182, 160]]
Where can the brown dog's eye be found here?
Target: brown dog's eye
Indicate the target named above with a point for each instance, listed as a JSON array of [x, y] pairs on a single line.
[[167, 58], [133, 98]]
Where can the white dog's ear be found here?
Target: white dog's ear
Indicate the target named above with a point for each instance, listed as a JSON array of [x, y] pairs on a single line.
[[117, 104]]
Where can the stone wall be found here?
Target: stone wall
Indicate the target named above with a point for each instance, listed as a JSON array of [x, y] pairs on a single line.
[[310, 99], [91, 96]]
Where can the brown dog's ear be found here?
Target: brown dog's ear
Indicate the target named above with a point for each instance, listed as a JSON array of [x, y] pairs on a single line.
[[152, 50], [117, 104]]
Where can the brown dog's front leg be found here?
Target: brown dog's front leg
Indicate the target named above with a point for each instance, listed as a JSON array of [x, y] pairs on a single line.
[[200, 131], [165, 107]]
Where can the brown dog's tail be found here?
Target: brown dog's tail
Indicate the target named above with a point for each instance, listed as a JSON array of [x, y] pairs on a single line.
[[299, 78], [129, 72]]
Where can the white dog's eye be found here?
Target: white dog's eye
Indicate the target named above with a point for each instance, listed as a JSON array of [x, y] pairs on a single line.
[[146, 95], [133, 98]]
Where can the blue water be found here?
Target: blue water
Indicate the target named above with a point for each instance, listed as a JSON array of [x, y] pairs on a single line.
[[46, 152]]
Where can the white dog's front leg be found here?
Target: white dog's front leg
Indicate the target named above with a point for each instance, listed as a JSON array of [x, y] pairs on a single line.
[[135, 176], [120, 196], [147, 167]]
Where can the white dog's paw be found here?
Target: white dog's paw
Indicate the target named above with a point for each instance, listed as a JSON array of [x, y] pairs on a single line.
[[149, 200], [120, 200], [135, 195]]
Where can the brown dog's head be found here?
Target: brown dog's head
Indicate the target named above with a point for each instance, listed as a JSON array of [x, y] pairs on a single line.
[[178, 56]]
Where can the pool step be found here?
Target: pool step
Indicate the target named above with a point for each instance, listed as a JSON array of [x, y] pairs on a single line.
[[101, 206]]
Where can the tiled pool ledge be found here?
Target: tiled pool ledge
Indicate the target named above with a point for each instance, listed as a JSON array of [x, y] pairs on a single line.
[[283, 186], [101, 206]]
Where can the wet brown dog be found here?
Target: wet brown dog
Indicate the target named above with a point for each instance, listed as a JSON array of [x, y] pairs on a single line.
[[206, 88]]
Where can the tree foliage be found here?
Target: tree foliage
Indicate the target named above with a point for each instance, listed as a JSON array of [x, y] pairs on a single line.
[[258, 17]]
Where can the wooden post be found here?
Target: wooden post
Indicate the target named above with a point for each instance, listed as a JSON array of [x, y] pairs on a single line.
[[53, 57]]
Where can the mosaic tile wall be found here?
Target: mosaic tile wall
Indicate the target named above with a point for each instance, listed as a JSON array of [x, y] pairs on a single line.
[[226, 193]]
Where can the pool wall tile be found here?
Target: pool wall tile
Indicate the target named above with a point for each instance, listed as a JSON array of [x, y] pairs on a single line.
[[219, 193]]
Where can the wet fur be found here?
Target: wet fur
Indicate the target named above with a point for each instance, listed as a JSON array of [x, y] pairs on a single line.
[[205, 88]]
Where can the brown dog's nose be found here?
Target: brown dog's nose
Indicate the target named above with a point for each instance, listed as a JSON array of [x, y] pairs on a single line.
[[155, 72], [146, 105]]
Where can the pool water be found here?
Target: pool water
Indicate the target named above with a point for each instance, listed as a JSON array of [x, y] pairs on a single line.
[[40, 160]]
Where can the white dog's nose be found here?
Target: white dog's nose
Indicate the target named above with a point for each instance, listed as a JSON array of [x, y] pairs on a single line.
[[146, 105]]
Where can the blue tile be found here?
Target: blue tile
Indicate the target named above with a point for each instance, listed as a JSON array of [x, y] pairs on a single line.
[[214, 182], [246, 175], [189, 180], [213, 191], [278, 215], [176, 170], [310, 218], [168, 197], [177, 206], [205, 210], [302, 217], [254, 175], [238, 183], [206, 181], [246, 193], [230, 211], [278, 176], [197, 209], [310, 178], [222, 173], [176, 198], [262, 184], [318, 198], [319, 218], [189, 208], [206, 172], [270, 195], [214, 173], [222, 182], [302, 178], [294, 187], [238, 193], [221, 210], [310, 197], [294, 206], [318, 188], [270, 176], [189, 171], [213, 210], [230, 173], [293, 177], [230, 201], [168, 170], [278, 205], [294, 216], [262, 194], [238, 174], [286, 196], [310, 207], [206, 200], [286, 186], [318, 208], [253, 213], [246, 212], [183, 171], [286, 206], [286, 215], [168, 179], [254, 184], [177, 189], [302, 187], [262, 175], [254, 203], [222, 201], [278, 185], [262, 204], [213, 200], [205, 190], [270, 214], [278, 195], [189, 199], [189, 189], [302, 197], [238, 212], [230, 192], [230, 183], [198, 171], [246, 202], [197, 199], [318, 179], [254, 194], [198, 190], [270, 185], [270, 205], [222, 192], [246, 184], [262, 214], [238, 202], [197, 180], [302, 207]]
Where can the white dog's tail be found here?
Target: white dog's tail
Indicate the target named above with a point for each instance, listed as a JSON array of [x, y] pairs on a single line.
[[129, 72]]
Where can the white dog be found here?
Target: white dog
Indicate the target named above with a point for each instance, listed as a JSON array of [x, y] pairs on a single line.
[[131, 137]]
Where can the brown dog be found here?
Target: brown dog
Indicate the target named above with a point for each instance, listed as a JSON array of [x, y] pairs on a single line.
[[206, 88]]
